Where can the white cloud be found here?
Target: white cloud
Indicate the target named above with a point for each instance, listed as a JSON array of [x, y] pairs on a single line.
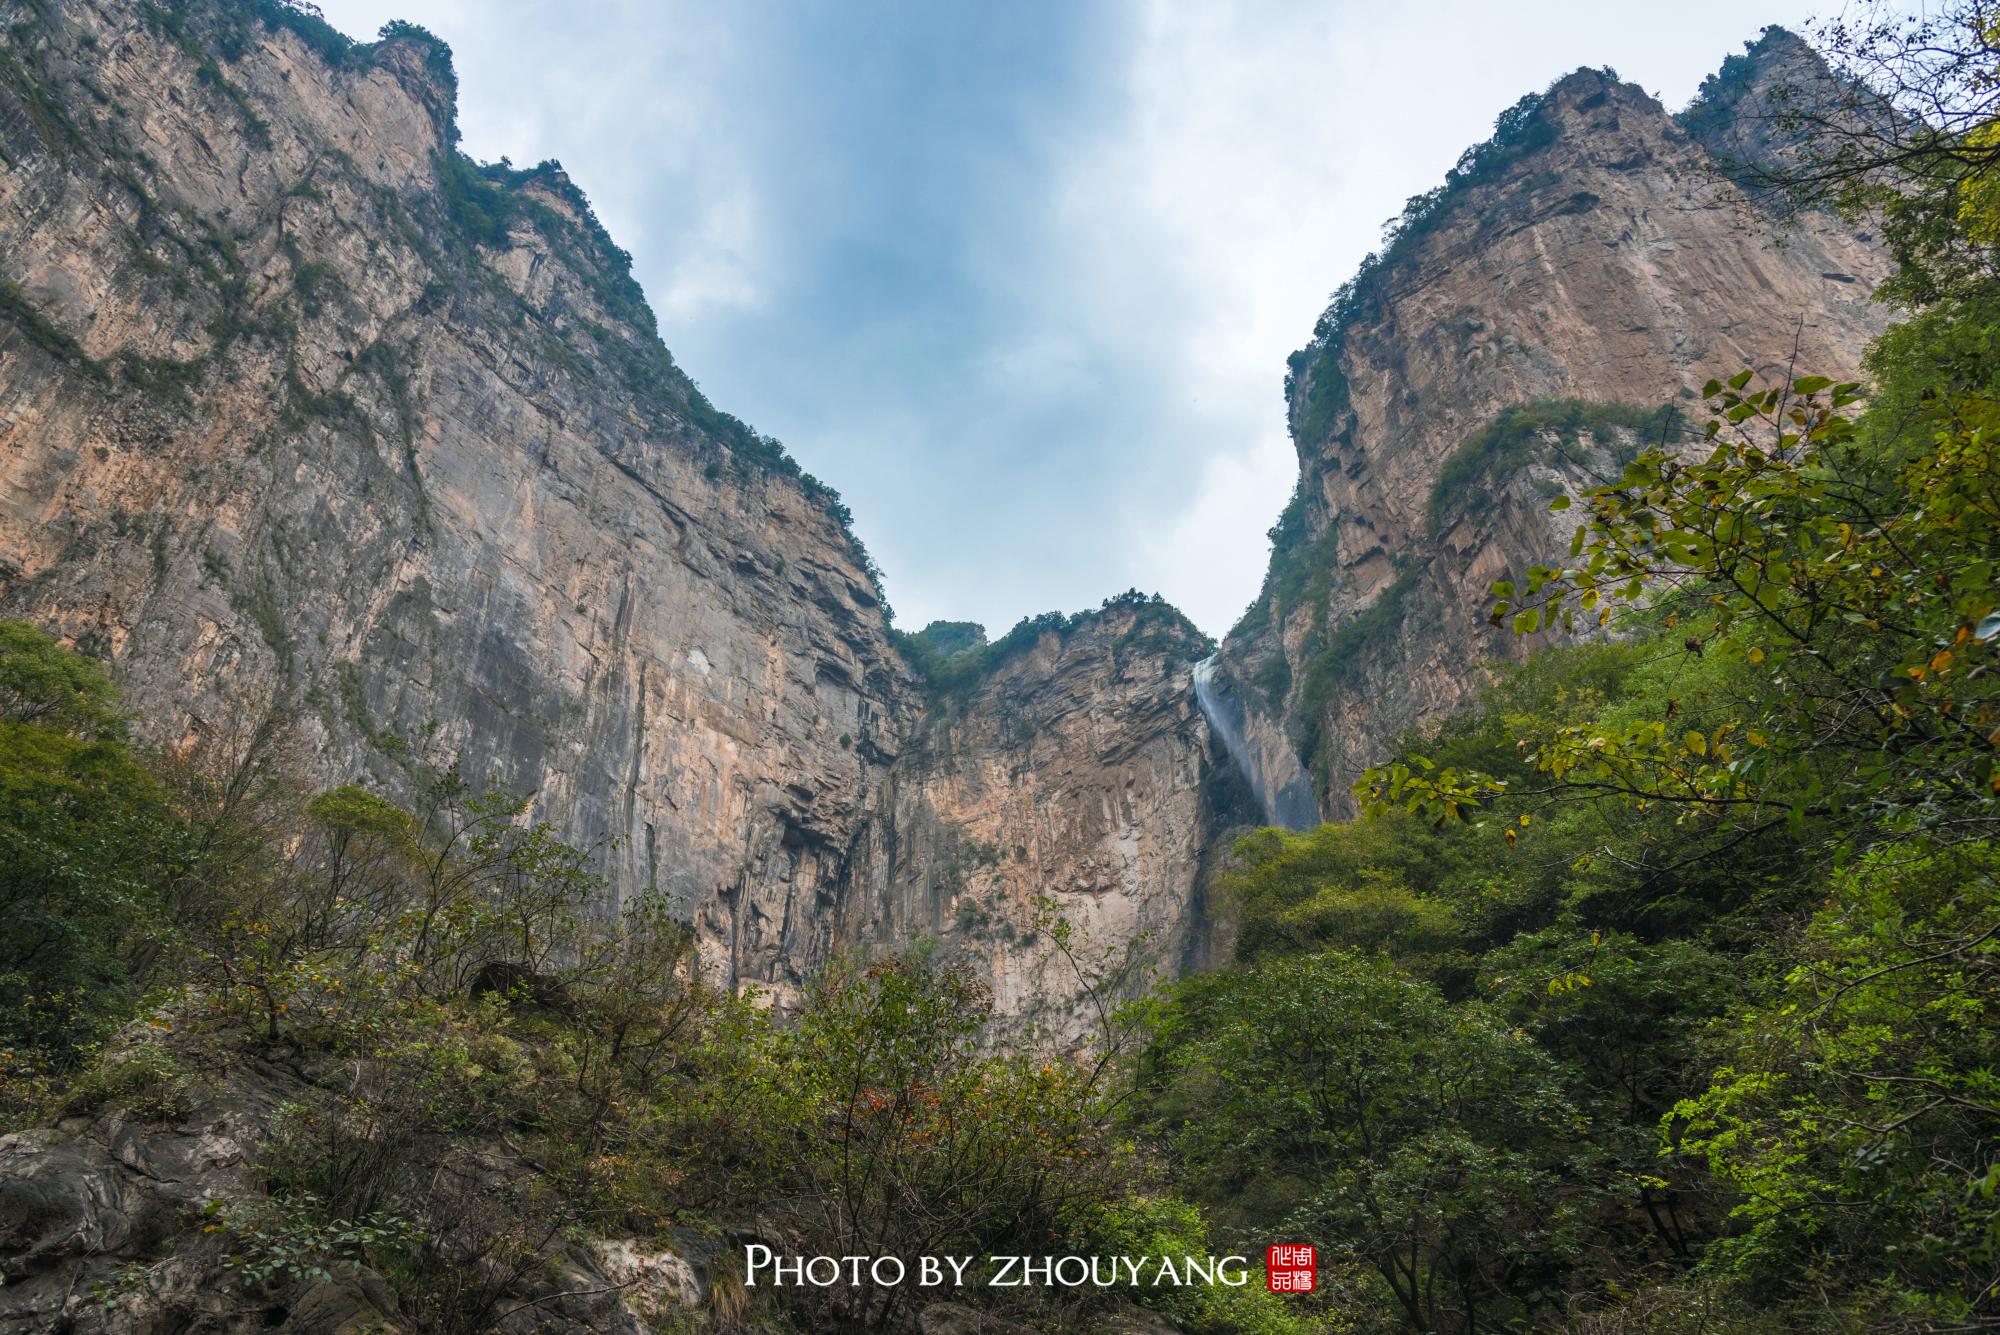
[[1181, 212], [1260, 149]]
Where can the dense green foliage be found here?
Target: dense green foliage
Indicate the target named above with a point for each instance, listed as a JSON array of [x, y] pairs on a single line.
[[951, 638], [445, 978], [1663, 994], [1421, 1144]]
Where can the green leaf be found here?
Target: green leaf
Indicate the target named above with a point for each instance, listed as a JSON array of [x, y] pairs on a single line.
[[1741, 378]]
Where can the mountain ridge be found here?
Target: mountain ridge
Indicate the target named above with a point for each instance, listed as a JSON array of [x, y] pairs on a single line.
[[1589, 258], [305, 412]]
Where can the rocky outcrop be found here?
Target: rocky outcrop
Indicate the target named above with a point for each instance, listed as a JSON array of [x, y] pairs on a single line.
[[154, 1216], [1063, 787], [1582, 271], [298, 410]]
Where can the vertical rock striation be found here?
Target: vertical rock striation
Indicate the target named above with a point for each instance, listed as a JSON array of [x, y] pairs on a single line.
[[301, 409], [1067, 780]]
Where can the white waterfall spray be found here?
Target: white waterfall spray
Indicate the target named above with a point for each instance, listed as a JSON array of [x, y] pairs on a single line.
[[1286, 801], [1222, 722]]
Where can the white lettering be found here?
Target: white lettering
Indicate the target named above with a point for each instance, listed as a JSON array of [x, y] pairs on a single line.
[[752, 1261], [958, 1265], [1000, 1280], [1203, 1266], [1082, 1271], [1242, 1265], [875, 1271], [1166, 1273], [812, 1271]]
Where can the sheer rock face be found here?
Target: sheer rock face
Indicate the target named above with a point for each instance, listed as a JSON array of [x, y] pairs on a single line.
[[292, 412], [1609, 265], [1070, 781], [398, 478]]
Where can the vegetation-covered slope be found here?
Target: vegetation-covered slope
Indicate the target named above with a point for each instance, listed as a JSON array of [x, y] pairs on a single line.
[[1662, 993]]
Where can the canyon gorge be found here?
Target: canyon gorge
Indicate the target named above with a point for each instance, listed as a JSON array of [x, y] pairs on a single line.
[[303, 413]]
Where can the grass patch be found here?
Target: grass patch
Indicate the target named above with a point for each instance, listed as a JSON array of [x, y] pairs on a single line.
[[1518, 435]]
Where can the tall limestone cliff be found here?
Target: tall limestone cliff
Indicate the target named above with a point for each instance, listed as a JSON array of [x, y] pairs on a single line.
[[301, 409], [1556, 305], [1067, 779]]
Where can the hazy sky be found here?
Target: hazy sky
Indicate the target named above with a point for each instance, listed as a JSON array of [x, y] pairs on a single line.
[[1020, 277]]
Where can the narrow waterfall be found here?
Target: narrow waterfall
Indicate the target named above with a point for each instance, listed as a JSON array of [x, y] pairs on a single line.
[[1225, 725], [1279, 782]]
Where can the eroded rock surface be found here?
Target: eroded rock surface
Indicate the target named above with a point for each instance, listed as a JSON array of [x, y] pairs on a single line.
[[1069, 782], [299, 410]]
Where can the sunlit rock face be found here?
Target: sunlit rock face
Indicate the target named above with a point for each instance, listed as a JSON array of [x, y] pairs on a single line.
[[295, 412], [1605, 263]]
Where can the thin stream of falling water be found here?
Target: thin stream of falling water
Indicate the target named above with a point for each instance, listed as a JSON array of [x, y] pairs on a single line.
[[1289, 807]]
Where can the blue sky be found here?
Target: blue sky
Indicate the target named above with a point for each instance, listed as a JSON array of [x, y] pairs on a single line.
[[1020, 278]]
